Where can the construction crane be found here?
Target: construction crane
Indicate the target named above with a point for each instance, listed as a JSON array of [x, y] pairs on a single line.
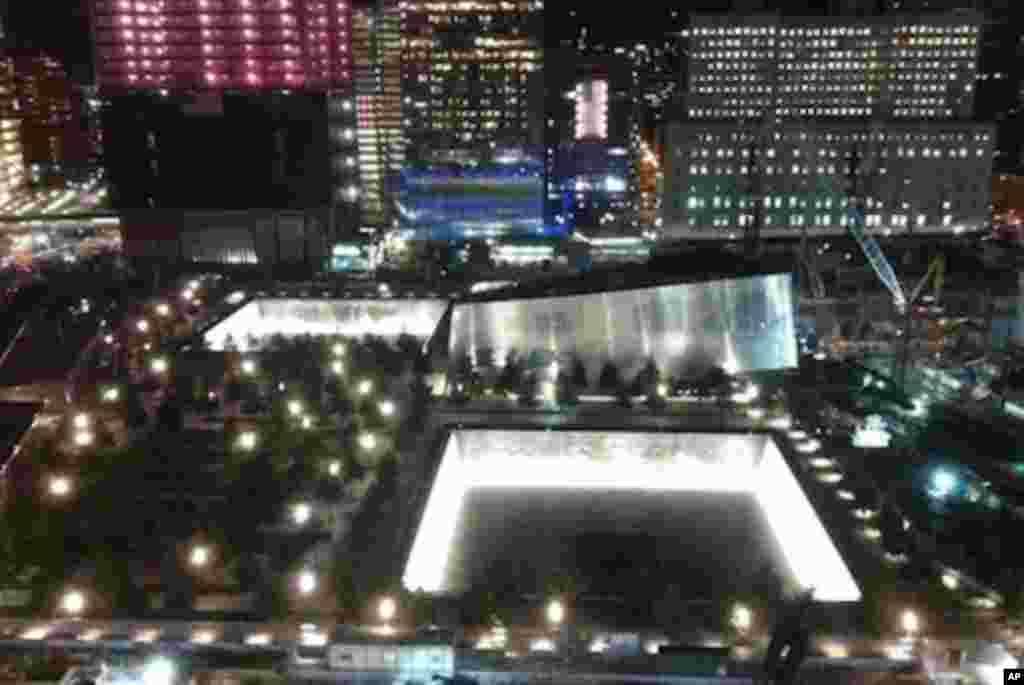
[[855, 223]]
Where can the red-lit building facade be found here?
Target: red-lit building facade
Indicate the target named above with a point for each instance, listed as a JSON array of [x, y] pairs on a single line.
[[222, 44], [216, 107]]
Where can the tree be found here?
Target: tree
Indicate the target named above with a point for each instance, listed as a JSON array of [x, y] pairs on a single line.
[[511, 377], [566, 390], [610, 380], [528, 390], [579, 374], [646, 380]]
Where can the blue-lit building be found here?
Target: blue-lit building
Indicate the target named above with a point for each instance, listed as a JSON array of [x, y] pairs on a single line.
[[465, 195], [592, 179]]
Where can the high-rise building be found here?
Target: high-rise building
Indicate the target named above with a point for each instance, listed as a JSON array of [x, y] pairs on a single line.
[[377, 54], [764, 66], [470, 71], [592, 109], [791, 123], [222, 44], [54, 131], [227, 106], [12, 165]]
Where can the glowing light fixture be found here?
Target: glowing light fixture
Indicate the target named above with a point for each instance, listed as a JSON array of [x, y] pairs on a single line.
[[387, 608], [555, 612], [950, 580], [60, 486], [365, 387], [367, 441], [72, 603], [200, 556], [386, 408], [307, 582], [479, 459], [301, 513]]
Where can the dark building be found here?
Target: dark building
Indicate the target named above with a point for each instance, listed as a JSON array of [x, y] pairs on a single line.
[[217, 152]]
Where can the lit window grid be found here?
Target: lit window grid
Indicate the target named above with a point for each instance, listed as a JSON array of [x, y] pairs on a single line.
[[745, 71], [804, 181], [222, 43]]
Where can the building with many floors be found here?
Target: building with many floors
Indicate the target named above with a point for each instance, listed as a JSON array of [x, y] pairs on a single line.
[[789, 123], [12, 164]]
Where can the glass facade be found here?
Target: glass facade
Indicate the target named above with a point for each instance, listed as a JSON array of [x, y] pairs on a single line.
[[12, 165], [741, 325], [462, 196]]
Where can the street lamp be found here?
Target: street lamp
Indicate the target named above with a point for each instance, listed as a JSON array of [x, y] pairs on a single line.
[[365, 387], [81, 421], [337, 367], [555, 612], [367, 441], [301, 513], [248, 367], [83, 438], [334, 468], [111, 395], [60, 486], [159, 365], [386, 609], [163, 310], [742, 618], [200, 556], [307, 422], [247, 440], [142, 326], [72, 603], [338, 349], [307, 582], [911, 623], [387, 408], [295, 408]]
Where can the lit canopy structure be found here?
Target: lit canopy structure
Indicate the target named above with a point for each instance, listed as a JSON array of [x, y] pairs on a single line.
[[351, 318], [620, 461]]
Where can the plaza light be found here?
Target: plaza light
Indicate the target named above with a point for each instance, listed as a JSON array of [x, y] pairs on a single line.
[[159, 671], [821, 463], [111, 395], [295, 408], [386, 609], [247, 440], [301, 513], [163, 310], [367, 441], [662, 390], [60, 486], [742, 618], [204, 637], [307, 422], [386, 408], [337, 367], [200, 556], [812, 445], [910, 622], [365, 387], [334, 468], [193, 285], [159, 365], [338, 349], [846, 495], [950, 580], [72, 603], [187, 294], [943, 484], [108, 339], [258, 640], [142, 326], [81, 421], [555, 612], [248, 367], [84, 438], [307, 582]]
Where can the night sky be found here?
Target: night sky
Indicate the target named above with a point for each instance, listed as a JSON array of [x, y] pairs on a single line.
[[60, 27]]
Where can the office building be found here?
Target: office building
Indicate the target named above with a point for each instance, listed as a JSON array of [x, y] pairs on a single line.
[[781, 113], [914, 177], [377, 53], [765, 67], [222, 44], [55, 137], [470, 73], [12, 165]]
